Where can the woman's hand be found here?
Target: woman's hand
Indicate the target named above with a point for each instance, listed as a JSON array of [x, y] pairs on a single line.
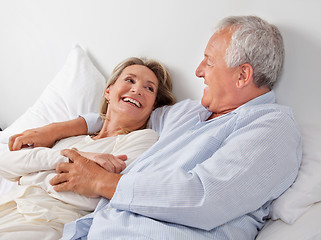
[[111, 163], [37, 137], [84, 177], [46, 136]]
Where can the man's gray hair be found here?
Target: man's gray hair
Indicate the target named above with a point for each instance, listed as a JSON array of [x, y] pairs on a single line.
[[258, 43]]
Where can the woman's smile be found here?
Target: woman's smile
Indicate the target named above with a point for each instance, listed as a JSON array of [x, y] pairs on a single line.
[[132, 101]]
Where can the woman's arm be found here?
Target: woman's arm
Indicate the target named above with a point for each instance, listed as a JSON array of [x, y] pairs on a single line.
[[47, 135], [14, 165], [111, 163]]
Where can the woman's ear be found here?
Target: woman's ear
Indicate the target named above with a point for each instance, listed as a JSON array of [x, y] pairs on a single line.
[[107, 93], [245, 75]]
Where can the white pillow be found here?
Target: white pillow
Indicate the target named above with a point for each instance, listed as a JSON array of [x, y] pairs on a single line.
[[77, 89], [306, 190], [306, 227]]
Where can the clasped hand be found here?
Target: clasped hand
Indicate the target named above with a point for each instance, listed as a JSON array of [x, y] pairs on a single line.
[[89, 174]]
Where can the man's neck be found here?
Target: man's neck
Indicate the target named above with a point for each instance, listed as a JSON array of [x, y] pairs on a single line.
[[259, 92]]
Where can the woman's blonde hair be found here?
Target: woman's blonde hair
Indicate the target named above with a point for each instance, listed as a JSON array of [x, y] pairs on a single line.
[[164, 94]]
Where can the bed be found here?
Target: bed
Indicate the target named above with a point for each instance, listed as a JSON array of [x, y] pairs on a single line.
[[295, 214], [78, 85]]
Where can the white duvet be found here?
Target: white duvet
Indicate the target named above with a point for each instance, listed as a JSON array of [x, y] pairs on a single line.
[[34, 207]]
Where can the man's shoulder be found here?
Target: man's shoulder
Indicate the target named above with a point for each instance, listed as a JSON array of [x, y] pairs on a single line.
[[271, 112], [267, 108]]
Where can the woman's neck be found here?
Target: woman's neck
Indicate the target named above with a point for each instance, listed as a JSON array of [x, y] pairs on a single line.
[[114, 127]]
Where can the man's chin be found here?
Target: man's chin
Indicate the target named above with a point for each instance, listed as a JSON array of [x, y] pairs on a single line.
[[204, 102]]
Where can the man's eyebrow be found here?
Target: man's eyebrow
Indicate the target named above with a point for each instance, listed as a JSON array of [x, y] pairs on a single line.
[[207, 56]]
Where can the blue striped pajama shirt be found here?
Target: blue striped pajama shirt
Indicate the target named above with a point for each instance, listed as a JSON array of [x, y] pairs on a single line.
[[203, 179]]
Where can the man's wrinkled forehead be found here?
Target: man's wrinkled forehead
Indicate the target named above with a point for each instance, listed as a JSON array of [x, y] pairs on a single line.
[[220, 39]]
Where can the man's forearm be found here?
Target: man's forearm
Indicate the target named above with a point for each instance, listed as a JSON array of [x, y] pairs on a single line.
[[107, 187]]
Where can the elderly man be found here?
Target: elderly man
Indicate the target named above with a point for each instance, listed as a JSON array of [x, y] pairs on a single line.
[[217, 165]]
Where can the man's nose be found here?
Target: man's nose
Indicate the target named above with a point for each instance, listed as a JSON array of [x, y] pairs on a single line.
[[199, 70]]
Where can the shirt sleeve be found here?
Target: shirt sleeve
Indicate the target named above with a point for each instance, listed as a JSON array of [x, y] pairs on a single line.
[[254, 165], [164, 117], [93, 121], [16, 164]]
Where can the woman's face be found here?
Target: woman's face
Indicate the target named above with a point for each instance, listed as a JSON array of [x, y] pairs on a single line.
[[133, 94]]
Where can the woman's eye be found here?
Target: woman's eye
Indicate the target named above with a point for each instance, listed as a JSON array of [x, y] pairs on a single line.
[[129, 80], [151, 89]]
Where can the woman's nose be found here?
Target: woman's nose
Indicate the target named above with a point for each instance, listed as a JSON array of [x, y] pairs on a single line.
[[137, 89]]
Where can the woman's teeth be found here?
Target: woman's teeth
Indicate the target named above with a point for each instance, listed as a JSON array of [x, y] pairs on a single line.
[[136, 103]]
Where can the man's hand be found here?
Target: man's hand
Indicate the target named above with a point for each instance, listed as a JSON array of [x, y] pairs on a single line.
[[111, 163], [84, 177]]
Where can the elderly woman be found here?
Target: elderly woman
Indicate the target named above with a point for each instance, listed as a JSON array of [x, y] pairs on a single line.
[[35, 210]]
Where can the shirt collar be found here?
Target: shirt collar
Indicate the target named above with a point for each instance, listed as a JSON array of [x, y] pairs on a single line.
[[267, 98]]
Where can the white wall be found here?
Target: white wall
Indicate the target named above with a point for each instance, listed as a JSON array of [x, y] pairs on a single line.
[[36, 36]]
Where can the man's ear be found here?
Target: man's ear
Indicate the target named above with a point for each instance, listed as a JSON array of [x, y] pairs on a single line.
[[245, 75]]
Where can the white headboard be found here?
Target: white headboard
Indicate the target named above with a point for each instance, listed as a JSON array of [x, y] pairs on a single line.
[[37, 35]]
